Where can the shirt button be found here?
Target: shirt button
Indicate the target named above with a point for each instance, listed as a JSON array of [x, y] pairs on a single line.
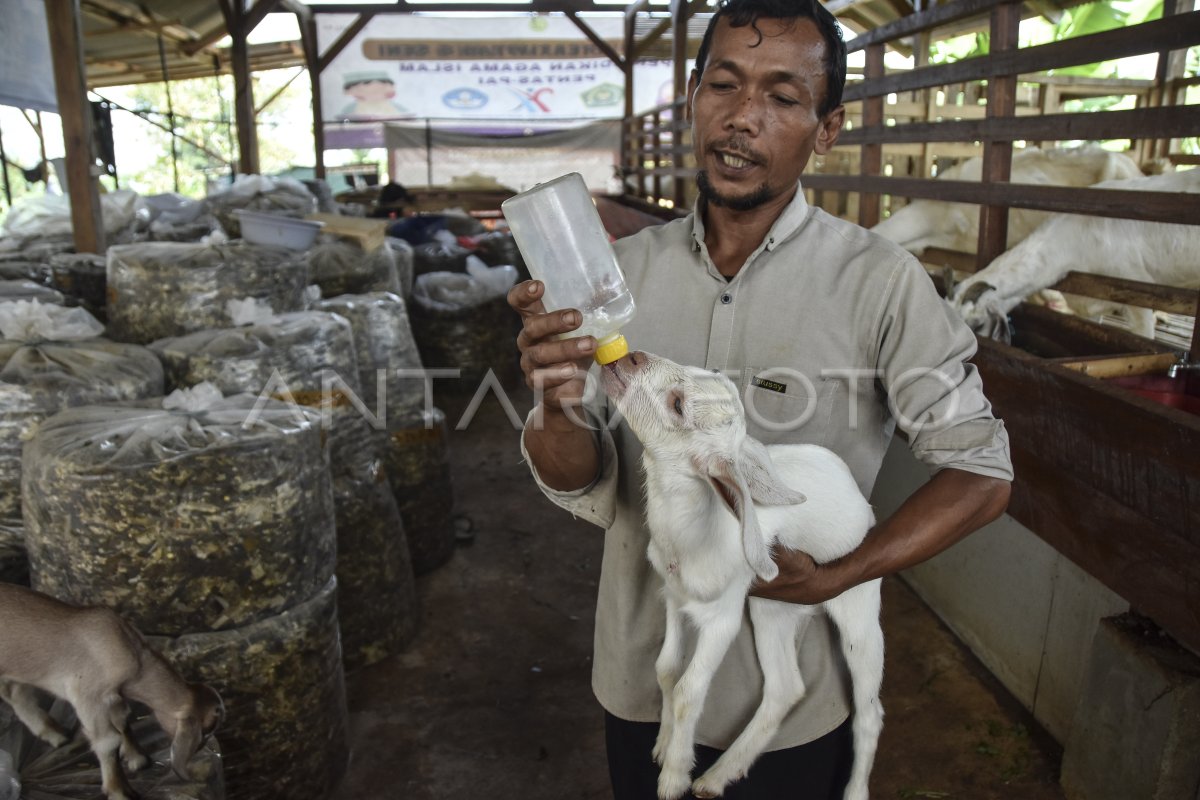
[[727, 298]]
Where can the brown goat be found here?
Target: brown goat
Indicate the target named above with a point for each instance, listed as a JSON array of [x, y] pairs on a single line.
[[96, 661]]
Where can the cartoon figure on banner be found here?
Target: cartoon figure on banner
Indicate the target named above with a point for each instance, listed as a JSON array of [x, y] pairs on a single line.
[[372, 91]]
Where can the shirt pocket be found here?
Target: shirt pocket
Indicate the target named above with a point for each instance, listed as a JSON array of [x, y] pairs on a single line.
[[784, 406]]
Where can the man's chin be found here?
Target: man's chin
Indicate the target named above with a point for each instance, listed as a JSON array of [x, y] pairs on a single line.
[[743, 202]]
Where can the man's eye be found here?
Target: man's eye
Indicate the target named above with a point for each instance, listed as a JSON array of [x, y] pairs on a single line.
[[679, 406]]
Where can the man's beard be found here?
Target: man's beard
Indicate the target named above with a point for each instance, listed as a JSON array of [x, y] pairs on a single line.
[[746, 202]]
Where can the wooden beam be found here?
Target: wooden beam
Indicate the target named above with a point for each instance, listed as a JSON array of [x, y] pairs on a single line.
[[594, 38], [653, 36], [1172, 121], [1180, 31], [256, 14], [1135, 293], [352, 30], [66, 45], [1174, 207]]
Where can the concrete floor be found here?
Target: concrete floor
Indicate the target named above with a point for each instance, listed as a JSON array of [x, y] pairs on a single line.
[[493, 696]]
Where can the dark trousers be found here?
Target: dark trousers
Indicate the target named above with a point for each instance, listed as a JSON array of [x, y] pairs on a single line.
[[818, 770]]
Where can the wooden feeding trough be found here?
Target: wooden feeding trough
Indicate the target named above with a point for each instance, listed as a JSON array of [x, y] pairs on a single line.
[[1105, 446]]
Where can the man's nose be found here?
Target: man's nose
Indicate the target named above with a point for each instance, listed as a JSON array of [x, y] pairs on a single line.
[[746, 114]]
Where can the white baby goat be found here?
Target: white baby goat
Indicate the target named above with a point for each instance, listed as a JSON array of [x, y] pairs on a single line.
[[95, 660], [717, 501]]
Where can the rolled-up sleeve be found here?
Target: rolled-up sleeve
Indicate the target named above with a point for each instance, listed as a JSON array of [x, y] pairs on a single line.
[[596, 502], [934, 393]]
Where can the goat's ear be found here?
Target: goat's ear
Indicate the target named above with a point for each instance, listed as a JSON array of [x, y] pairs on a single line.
[[185, 744], [732, 487], [766, 487], [976, 290]]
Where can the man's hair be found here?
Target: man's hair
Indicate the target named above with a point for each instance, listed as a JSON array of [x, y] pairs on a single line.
[[748, 12]]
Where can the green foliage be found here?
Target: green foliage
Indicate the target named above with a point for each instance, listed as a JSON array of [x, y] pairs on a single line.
[[206, 143], [959, 48], [1097, 17]]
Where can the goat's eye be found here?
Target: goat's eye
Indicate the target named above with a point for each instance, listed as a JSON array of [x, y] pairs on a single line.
[[679, 406]]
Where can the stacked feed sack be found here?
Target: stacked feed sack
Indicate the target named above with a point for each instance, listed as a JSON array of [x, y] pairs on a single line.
[[52, 358], [162, 289], [71, 772], [341, 266], [284, 196], [83, 277], [418, 467], [415, 446], [207, 520], [463, 321], [308, 358], [21, 270], [15, 290]]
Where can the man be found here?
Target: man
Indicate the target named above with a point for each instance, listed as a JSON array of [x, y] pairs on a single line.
[[835, 336]]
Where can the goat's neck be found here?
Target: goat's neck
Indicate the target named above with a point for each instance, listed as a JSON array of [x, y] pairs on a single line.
[[677, 498], [158, 686]]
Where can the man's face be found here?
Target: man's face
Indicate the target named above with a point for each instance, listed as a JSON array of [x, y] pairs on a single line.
[[754, 111]]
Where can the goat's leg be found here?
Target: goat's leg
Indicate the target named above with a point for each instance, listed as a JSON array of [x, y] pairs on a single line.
[[24, 701], [133, 757], [856, 614], [717, 625], [668, 668], [95, 715], [777, 626]]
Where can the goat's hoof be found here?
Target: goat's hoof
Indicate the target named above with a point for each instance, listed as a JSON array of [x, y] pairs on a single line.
[[706, 787], [54, 737], [673, 785], [136, 762]]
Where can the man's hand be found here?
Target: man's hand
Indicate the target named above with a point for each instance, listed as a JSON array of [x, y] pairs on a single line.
[[951, 505], [561, 447], [800, 580], [554, 366]]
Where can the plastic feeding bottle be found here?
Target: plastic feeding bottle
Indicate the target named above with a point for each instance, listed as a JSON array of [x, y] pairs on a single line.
[[558, 230]]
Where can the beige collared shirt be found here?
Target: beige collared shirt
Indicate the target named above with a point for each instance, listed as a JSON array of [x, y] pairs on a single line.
[[835, 336]]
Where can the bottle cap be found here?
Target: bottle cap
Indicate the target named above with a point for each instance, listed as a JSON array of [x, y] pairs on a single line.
[[610, 350]]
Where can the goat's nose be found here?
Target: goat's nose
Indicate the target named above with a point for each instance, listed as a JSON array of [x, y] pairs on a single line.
[[637, 360]]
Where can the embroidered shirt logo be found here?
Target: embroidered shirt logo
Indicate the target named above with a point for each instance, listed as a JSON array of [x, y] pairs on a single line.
[[774, 386]]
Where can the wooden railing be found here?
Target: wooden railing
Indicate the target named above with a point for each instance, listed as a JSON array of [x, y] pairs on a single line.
[[1003, 69], [656, 160]]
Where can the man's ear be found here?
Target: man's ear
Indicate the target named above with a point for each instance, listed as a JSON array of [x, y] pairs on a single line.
[[693, 79], [831, 128]]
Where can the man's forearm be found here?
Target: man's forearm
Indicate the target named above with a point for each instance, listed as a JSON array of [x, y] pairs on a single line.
[[942, 512], [563, 452]]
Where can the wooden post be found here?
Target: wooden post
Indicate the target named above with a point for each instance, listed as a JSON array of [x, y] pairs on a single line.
[[679, 42], [312, 58], [872, 154], [628, 158], [243, 90], [997, 156], [66, 43]]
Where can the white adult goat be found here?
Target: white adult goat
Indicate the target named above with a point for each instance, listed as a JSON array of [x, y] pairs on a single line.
[[1154, 252], [955, 226], [717, 501], [95, 660]]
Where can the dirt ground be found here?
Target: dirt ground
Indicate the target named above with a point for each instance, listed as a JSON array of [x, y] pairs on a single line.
[[493, 696]]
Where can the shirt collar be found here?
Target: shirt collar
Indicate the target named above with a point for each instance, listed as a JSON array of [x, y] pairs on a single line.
[[785, 225]]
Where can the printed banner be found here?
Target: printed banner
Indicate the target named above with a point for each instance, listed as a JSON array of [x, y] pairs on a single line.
[[537, 68]]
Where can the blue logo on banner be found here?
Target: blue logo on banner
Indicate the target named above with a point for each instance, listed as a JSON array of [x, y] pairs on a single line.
[[464, 99]]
